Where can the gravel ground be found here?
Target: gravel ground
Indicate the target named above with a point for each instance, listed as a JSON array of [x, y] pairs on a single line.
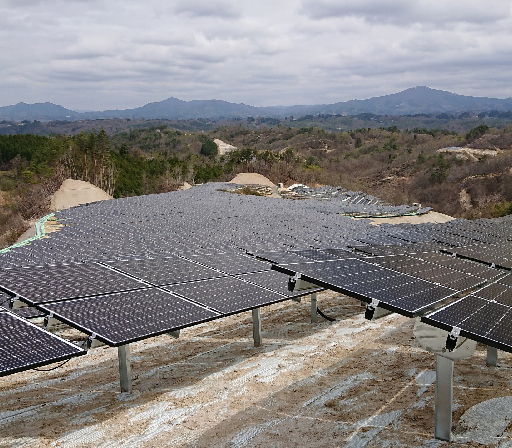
[[349, 383]]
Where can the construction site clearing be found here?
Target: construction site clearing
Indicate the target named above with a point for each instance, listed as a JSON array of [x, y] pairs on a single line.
[[344, 383]]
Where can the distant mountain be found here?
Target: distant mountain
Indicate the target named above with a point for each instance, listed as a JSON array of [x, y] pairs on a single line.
[[416, 100], [175, 109], [38, 111]]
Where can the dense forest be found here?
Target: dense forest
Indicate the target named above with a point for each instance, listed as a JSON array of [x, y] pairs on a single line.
[[398, 165]]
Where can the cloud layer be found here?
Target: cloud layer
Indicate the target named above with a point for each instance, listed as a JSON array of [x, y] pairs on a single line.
[[121, 54]]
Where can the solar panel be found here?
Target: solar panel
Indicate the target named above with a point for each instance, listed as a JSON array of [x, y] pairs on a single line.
[[275, 281], [318, 255], [24, 346], [229, 262], [279, 257], [124, 317], [56, 282], [485, 316], [226, 295], [492, 254], [164, 271], [506, 280], [398, 292], [28, 312]]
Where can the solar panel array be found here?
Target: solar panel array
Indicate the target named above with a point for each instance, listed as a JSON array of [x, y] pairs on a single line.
[[131, 268], [368, 281], [123, 301], [473, 297], [355, 202]]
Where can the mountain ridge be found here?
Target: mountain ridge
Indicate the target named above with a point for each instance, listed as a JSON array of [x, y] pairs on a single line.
[[415, 100]]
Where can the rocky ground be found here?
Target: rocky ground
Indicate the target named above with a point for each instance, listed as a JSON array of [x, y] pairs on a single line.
[[350, 383]]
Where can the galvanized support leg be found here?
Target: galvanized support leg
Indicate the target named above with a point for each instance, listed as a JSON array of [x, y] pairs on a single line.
[[444, 398], [492, 356], [256, 327], [314, 308], [125, 370]]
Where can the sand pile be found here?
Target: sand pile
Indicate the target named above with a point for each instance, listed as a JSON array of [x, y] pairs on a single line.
[[75, 192], [251, 179], [433, 217]]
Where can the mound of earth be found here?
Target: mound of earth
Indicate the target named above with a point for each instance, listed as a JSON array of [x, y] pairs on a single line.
[[75, 192], [251, 179], [432, 217]]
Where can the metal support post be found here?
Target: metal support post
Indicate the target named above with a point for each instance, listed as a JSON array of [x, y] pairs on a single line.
[[444, 398], [256, 327], [50, 321], [492, 356], [314, 308], [125, 371]]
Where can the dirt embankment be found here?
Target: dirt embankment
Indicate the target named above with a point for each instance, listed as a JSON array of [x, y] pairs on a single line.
[[76, 192], [251, 179]]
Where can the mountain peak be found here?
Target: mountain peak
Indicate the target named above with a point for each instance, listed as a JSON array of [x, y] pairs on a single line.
[[414, 100]]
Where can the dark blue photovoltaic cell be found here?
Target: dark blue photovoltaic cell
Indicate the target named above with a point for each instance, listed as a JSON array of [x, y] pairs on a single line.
[[485, 315], [24, 346], [499, 255], [227, 295], [506, 280], [28, 312], [402, 293], [318, 255], [275, 281], [164, 271], [57, 282], [280, 257], [118, 319], [230, 262]]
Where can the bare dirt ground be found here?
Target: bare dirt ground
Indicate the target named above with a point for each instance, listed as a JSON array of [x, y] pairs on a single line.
[[349, 383], [75, 192], [431, 216], [224, 148], [251, 179]]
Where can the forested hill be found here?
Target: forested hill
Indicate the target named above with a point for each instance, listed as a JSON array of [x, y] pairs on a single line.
[[416, 100]]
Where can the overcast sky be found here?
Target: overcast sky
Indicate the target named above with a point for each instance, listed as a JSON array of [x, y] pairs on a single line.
[[118, 54]]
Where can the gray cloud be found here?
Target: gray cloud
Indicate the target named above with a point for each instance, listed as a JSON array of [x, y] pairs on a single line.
[[406, 12], [125, 53], [208, 8]]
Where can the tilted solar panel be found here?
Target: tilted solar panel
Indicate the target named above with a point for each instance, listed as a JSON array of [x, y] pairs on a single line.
[[124, 317], [492, 254], [64, 281], [275, 281], [279, 256], [398, 292], [319, 255], [485, 316], [28, 312], [229, 262], [506, 280], [164, 270], [24, 346], [227, 295]]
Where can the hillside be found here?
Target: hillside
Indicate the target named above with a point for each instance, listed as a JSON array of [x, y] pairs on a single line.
[[472, 178]]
